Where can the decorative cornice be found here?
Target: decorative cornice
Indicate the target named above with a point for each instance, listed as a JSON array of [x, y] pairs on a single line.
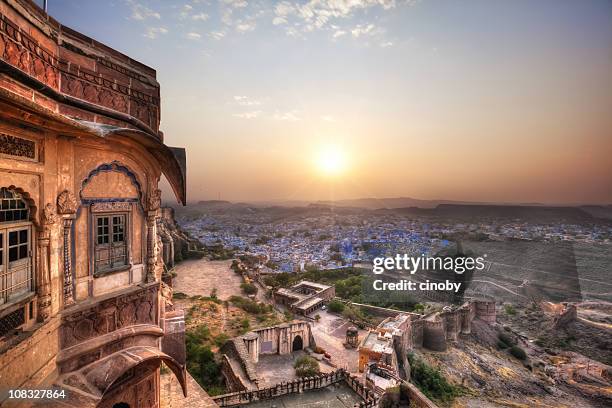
[[30, 62], [111, 206]]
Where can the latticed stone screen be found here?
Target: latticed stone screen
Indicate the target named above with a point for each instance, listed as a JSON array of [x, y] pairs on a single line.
[[16, 146], [11, 321]]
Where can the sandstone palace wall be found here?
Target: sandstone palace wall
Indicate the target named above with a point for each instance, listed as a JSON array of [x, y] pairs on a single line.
[[82, 304]]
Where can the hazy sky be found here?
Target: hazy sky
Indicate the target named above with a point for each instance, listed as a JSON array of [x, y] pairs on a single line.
[[469, 100]]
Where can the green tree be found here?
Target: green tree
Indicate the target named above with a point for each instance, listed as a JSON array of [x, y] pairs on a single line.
[[431, 381], [248, 288], [518, 352], [336, 306], [306, 366]]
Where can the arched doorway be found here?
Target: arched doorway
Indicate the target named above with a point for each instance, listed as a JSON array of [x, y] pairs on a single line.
[[298, 343], [121, 405]]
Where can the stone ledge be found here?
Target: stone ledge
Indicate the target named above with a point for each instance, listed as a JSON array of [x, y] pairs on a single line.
[[97, 342]]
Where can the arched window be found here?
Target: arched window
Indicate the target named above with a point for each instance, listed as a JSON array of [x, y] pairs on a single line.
[[15, 246], [12, 206]]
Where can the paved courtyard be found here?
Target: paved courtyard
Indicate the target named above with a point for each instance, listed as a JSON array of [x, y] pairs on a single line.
[[274, 368], [330, 332], [200, 276]]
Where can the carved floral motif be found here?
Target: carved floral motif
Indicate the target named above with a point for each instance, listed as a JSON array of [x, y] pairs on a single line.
[[49, 217], [66, 202]]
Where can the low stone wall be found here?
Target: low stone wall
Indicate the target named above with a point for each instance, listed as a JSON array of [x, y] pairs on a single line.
[[417, 398], [297, 386], [232, 380], [28, 362], [378, 311], [235, 349]]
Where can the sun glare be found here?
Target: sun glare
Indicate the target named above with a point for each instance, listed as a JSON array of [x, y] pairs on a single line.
[[331, 161]]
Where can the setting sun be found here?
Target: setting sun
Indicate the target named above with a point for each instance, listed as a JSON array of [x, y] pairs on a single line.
[[330, 161]]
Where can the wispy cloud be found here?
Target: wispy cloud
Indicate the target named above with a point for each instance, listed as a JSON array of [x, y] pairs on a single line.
[[142, 12], [216, 35], [243, 27], [154, 32], [247, 115], [246, 101], [360, 30], [386, 44], [327, 118], [193, 36], [236, 3], [200, 17], [288, 116], [296, 18], [186, 11], [319, 14]]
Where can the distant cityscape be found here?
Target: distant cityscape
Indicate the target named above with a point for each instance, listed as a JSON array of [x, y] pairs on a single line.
[[328, 240]]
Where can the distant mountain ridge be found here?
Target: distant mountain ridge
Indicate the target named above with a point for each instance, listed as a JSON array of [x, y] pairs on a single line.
[[470, 211], [404, 202]]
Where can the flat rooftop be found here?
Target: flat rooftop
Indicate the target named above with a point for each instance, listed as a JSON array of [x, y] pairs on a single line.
[[382, 382], [394, 323], [290, 293], [378, 344], [305, 304], [319, 286]]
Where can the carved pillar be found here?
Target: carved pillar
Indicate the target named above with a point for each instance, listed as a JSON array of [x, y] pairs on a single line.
[[153, 204], [151, 246], [43, 273], [67, 205], [68, 295]]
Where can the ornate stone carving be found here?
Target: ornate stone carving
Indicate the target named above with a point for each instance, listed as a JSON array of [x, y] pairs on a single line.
[[43, 286], [66, 202], [151, 256], [68, 295], [25, 53], [16, 146], [111, 206], [102, 88], [49, 217], [138, 307], [154, 201], [153, 204]]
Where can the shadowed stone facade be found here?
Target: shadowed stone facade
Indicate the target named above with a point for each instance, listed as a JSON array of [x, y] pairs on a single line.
[[82, 305], [242, 353]]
